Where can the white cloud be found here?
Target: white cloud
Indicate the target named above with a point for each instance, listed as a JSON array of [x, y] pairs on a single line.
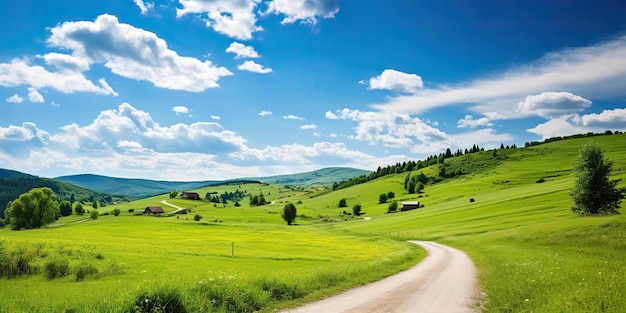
[[614, 119], [253, 67], [34, 95], [308, 126], [292, 117], [135, 53], [303, 10], [553, 104], [215, 117], [144, 7], [66, 62], [180, 109], [242, 51], [594, 72], [15, 99], [233, 18], [27, 132], [22, 72], [331, 116], [265, 113], [395, 80], [469, 121]]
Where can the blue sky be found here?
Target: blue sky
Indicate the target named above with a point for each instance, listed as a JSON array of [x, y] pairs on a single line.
[[219, 89]]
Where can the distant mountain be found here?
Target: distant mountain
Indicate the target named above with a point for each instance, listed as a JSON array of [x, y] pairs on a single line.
[[136, 188], [13, 184], [143, 188], [4, 173], [321, 177]]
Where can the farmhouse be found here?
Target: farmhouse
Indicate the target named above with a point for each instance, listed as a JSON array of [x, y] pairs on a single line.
[[153, 210], [406, 206], [190, 195]]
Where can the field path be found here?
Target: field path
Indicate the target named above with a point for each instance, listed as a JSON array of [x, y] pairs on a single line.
[[173, 206], [445, 281]]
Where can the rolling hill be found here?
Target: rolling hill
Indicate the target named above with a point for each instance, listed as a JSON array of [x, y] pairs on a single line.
[[142, 188]]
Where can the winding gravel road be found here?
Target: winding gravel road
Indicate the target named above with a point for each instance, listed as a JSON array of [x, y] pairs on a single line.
[[445, 281]]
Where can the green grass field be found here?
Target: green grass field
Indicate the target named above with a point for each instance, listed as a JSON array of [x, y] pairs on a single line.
[[532, 253]]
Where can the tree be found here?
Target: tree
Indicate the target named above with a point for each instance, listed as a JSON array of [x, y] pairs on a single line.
[[289, 213], [173, 194], [342, 203], [93, 214], [593, 191], [197, 217], [382, 198], [356, 210], [391, 195], [33, 209], [116, 211], [78, 208], [65, 208], [393, 207], [94, 204]]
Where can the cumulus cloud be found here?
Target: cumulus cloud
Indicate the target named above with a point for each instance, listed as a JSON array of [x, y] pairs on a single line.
[[34, 95], [144, 7], [180, 109], [15, 99], [242, 51], [469, 121], [215, 117], [553, 104], [593, 72], [135, 53], [303, 10], [22, 72], [265, 113], [395, 80], [331, 116], [614, 119], [253, 67], [235, 19], [292, 117]]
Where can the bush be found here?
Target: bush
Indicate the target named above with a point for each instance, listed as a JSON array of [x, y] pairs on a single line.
[[342, 203], [393, 207], [391, 195], [356, 210], [382, 198], [2, 223], [280, 290], [131, 210], [116, 212], [16, 261], [83, 270], [94, 214], [197, 217], [56, 268], [79, 209], [226, 296], [163, 300]]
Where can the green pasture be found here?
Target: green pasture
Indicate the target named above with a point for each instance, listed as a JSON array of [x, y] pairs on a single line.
[[532, 253]]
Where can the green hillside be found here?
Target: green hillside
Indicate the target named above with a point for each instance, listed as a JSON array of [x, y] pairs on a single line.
[[322, 177], [532, 253], [13, 184]]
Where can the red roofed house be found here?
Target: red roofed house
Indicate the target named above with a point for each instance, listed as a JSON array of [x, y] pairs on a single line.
[[153, 210], [190, 195]]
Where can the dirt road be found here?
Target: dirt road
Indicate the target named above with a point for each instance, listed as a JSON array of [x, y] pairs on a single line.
[[445, 281], [173, 206]]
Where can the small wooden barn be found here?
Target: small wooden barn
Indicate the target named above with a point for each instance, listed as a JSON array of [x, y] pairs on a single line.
[[153, 210], [190, 195], [407, 206]]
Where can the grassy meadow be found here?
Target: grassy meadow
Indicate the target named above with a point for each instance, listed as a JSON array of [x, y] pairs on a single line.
[[532, 253]]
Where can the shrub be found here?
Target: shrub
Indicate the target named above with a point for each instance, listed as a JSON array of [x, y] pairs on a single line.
[[2, 223], [393, 207], [94, 214], [226, 296], [16, 261], [356, 210], [163, 300], [197, 217], [382, 198], [280, 290], [342, 203], [83, 270], [391, 195], [116, 212], [131, 210], [79, 209], [540, 180], [56, 268]]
